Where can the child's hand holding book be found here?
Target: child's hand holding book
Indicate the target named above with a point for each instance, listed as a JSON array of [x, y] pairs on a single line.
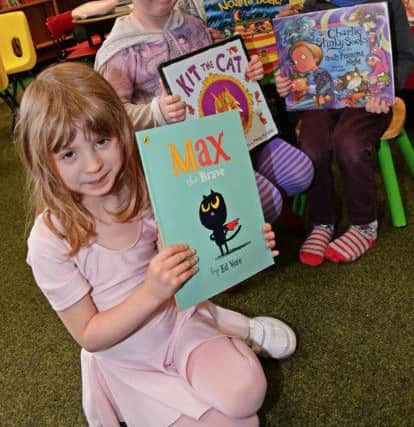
[[375, 105], [283, 84], [171, 106], [269, 236], [254, 70], [169, 270]]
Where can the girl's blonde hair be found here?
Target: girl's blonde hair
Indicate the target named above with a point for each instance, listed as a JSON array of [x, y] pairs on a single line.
[[61, 100]]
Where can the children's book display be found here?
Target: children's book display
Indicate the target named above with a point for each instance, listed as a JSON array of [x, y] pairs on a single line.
[[252, 20], [212, 80], [336, 58], [203, 193]]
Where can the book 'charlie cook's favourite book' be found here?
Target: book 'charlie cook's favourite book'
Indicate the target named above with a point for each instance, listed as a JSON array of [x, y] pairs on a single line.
[[212, 80], [336, 58], [203, 193]]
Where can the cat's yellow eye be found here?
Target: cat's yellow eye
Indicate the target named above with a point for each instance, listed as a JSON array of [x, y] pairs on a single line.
[[205, 208], [216, 203]]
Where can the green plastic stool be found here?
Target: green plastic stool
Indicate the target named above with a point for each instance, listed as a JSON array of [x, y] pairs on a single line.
[[392, 188], [299, 204], [397, 133]]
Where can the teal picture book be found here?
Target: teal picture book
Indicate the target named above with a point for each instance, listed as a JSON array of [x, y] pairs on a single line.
[[203, 193]]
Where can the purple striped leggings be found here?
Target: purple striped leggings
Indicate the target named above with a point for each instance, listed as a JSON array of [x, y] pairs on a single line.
[[280, 168]]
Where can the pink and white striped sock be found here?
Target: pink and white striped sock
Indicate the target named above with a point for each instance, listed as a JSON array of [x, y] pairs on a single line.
[[352, 244], [313, 249]]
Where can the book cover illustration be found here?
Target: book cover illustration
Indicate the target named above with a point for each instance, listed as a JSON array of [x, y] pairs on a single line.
[[336, 58], [252, 20], [203, 193], [211, 80]]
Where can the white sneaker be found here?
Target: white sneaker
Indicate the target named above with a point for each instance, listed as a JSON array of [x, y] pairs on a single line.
[[270, 337]]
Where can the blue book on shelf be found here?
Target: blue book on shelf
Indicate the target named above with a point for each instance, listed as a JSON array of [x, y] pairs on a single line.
[[203, 193]]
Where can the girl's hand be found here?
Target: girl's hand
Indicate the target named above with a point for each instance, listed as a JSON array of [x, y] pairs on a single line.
[[171, 106], [269, 237], [375, 105], [169, 270], [216, 35], [283, 84], [254, 70]]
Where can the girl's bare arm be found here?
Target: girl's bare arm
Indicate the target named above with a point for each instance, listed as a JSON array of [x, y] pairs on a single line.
[[96, 331]]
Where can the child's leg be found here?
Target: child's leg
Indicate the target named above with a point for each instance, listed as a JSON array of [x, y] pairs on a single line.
[[315, 141], [270, 198], [226, 374], [216, 419], [355, 138], [227, 321], [353, 243], [267, 336], [312, 251], [284, 165]]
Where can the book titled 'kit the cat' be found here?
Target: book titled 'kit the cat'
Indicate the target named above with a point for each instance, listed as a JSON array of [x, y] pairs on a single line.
[[203, 193], [212, 80], [336, 58]]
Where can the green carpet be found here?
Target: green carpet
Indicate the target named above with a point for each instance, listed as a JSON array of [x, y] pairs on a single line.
[[354, 362]]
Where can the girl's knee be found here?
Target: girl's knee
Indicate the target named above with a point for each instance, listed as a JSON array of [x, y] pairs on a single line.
[[229, 376], [303, 176], [352, 154], [246, 395], [255, 421]]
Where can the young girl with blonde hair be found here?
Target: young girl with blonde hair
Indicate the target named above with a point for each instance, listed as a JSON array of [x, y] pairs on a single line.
[[94, 253]]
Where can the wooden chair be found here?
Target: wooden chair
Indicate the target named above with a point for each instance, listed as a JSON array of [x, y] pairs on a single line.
[[394, 133]]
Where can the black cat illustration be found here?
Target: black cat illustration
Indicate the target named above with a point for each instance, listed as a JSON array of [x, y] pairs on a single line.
[[213, 214]]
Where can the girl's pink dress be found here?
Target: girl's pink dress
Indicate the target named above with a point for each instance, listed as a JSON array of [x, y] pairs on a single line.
[[142, 379]]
